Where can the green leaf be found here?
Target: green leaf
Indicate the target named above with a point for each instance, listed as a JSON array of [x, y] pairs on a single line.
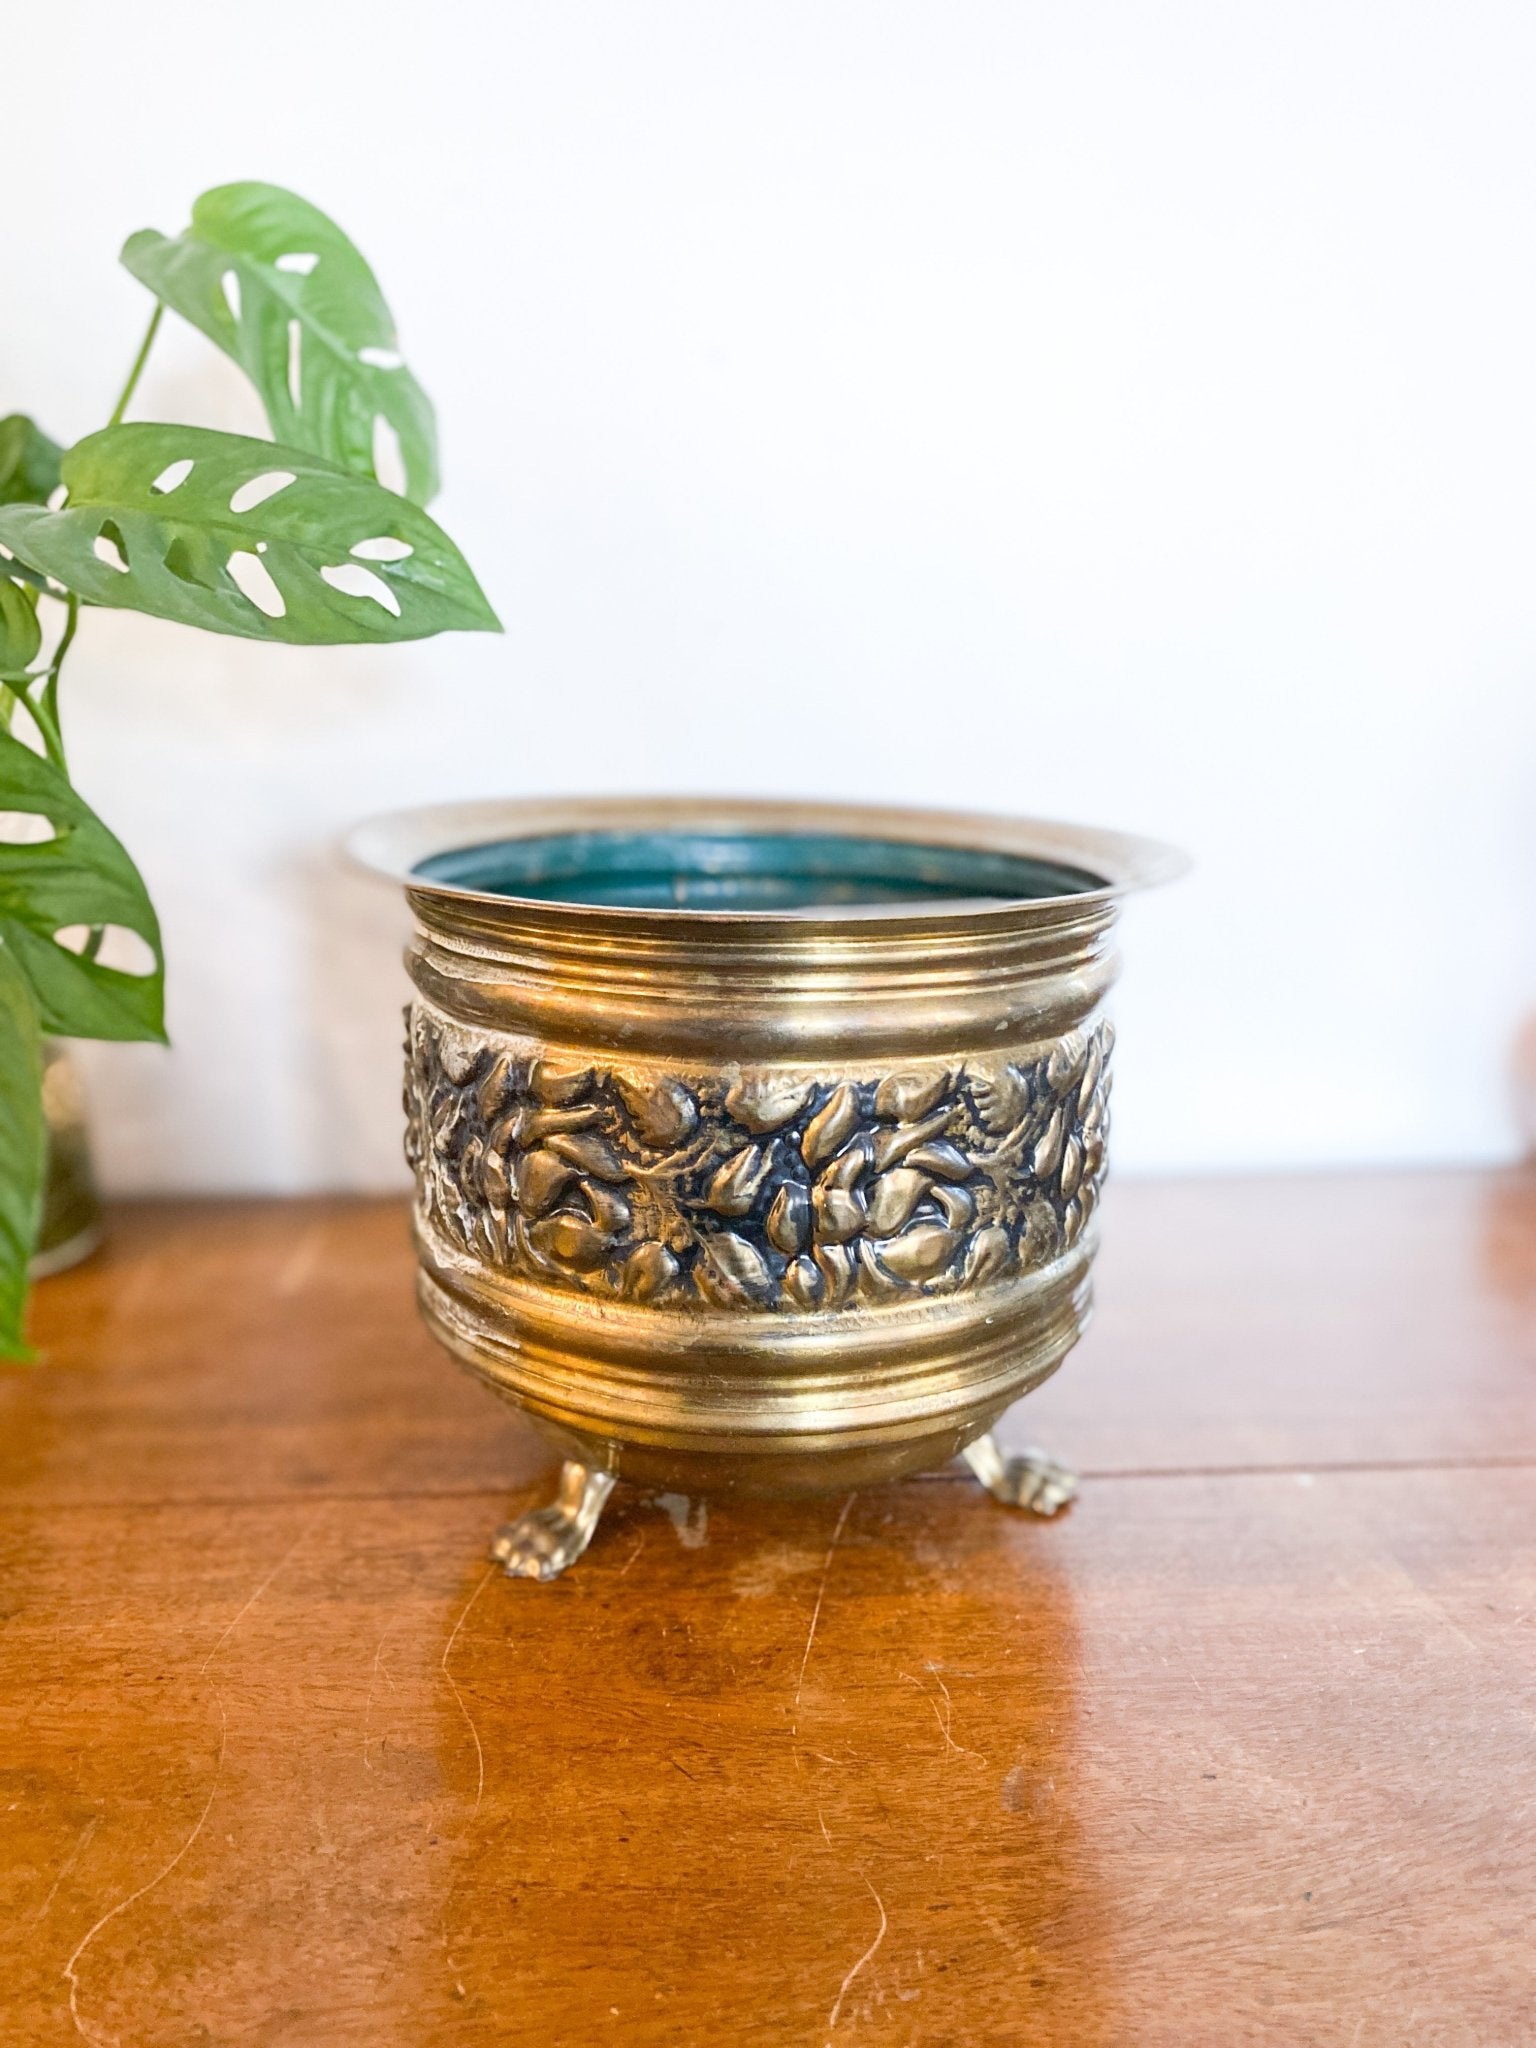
[[17, 572], [20, 634], [304, 318], [29, 462], [29, 474], [155, 523], [23, 1149], [78, 880]]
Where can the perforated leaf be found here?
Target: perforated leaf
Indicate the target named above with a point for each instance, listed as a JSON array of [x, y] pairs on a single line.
[[23, 1147], [245, 537], [74, 882], [306, 321]]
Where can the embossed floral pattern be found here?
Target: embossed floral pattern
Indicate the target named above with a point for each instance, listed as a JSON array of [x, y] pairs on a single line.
[[775, 1192]]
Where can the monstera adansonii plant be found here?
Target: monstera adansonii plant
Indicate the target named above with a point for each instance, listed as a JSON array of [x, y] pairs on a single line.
[[316, 536]]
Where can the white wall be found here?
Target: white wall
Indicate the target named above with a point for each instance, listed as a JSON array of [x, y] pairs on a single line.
[[1114, 411]]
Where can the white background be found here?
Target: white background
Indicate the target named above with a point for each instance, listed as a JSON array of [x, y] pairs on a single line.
[[1112, 411]]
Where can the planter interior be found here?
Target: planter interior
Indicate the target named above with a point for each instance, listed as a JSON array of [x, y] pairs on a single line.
[[744, 870]]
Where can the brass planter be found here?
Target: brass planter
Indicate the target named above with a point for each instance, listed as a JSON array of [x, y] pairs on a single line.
[[757, 1145]]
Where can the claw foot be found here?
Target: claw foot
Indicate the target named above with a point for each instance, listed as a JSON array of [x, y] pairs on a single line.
[[1031, 1480], [542, 1543]]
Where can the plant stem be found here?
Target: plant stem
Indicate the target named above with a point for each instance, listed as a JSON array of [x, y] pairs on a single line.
[[45, 706], [138, 366]]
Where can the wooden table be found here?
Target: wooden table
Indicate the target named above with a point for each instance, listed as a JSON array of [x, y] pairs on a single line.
[[1242, 1750]]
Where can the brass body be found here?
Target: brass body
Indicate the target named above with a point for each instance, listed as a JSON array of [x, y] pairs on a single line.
[[764, 1201]]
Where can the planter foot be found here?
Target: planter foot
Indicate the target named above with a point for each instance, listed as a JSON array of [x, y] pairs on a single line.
[[540, 1544], [1032, 1480]]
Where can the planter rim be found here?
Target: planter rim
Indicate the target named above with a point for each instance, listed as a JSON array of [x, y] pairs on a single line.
[[396, 843]]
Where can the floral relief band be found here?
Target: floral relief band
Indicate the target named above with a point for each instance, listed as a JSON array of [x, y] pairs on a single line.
[[756, 1191]]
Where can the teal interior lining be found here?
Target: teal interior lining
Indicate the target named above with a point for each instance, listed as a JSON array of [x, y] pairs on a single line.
[[745, 871]]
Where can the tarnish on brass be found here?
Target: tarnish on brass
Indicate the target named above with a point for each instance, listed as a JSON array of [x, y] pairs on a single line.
[[730, 1196], [755, 1191]]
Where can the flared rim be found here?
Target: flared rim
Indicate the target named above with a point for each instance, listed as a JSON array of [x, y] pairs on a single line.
[[396, 844]]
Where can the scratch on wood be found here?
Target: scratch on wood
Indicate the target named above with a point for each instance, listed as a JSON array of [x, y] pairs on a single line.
[[469, 1719], [958, 1748], [245, 1610], [1010, 1940], [821, 1592], [70, 1972], [373, 1681], [69, 1863], [837, 2003], [944, 1719]]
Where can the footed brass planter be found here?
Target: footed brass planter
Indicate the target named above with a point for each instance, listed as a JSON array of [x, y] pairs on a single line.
[[757, 1146]]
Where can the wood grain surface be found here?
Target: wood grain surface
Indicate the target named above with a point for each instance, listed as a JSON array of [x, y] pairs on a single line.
[[1241, 1750]]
